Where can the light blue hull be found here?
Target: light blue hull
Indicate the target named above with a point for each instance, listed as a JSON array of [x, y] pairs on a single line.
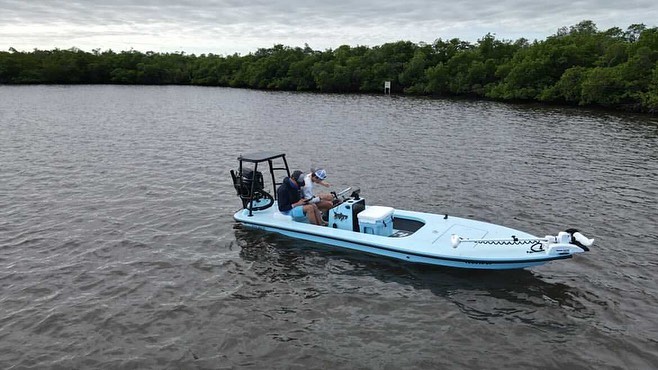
[[433, 243]]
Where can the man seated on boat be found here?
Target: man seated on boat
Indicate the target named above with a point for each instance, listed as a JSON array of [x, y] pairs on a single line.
[[324, 202], [291, 203]]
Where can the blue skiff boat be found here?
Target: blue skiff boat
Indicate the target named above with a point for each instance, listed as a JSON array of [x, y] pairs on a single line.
[[406, 235]]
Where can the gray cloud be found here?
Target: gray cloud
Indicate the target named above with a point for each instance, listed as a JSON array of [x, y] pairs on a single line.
[[228, 26]]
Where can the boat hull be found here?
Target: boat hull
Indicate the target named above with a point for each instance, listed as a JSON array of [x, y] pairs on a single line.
[[430, 244]]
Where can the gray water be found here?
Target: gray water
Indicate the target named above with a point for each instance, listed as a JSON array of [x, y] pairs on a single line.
[[118, 248]]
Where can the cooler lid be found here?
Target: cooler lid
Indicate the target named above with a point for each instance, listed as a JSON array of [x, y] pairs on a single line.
[[375, 213]]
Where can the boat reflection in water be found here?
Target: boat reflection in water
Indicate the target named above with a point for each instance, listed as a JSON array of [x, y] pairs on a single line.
[[313, 271]]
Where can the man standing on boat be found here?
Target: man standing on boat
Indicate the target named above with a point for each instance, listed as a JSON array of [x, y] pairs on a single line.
[[324, 202], [291, 203]]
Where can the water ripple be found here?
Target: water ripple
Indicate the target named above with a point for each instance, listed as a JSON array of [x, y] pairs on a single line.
[[117, 247]]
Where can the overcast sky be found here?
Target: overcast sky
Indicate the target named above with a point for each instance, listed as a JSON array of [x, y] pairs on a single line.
[[229, 26]]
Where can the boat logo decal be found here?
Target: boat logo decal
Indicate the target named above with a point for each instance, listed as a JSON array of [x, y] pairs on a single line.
[[340, 216]]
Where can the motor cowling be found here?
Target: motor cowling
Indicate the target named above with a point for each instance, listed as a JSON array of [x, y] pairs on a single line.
[[249, 176], [579, 239]]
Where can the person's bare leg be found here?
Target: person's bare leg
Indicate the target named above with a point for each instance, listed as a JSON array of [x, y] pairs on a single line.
[[318, 214], [327, 197], [324, 205], [311, 214]]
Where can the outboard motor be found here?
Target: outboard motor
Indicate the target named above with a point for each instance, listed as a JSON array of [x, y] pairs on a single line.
[[257, 198], [249, 176]]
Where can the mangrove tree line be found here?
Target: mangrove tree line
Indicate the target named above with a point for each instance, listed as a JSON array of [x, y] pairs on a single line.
[[578, 65]]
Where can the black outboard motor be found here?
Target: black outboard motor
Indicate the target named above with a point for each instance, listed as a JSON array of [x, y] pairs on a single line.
[[248, 176], [243, 182]]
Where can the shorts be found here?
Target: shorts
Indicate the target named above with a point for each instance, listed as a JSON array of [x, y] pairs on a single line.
[[296, 212]]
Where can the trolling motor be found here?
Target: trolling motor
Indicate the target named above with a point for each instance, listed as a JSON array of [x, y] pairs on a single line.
[[566, 242], [579, 239]]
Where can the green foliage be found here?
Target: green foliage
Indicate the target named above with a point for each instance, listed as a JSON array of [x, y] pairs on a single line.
[[603, 86], [412, 77], [578, 65], [568, 88], [650, 97]]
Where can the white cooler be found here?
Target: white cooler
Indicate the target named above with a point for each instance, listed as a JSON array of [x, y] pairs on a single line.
[[376, 220]]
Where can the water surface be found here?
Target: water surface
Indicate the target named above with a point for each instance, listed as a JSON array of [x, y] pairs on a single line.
[[118, 247]]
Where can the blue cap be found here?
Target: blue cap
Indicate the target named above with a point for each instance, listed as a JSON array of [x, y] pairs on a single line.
[[321, 174]]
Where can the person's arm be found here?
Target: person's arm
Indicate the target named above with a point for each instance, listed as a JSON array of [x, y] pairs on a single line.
[[300, 202], [311, 200]]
